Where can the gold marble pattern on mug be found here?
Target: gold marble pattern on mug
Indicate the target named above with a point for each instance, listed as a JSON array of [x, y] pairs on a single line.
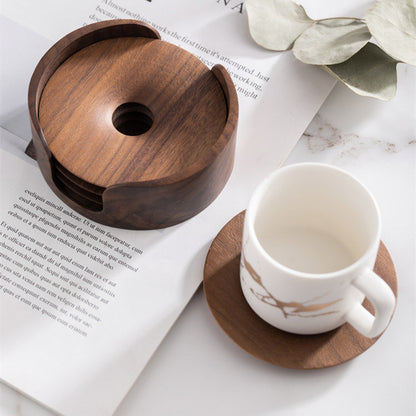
[[287, 308]]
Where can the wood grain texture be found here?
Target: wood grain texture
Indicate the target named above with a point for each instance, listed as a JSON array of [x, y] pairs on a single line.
[[79, 100], [232, 312], [158, 178]]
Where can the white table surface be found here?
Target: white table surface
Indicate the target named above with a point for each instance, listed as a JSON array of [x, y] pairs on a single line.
[[198, 371]]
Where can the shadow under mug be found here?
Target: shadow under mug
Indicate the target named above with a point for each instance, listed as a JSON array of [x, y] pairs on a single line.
[[310, 241]]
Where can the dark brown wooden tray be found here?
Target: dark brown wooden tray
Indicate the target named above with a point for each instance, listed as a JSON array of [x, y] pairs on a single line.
[[129, 130]]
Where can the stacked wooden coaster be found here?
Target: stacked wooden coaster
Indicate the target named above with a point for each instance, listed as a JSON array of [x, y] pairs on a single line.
[[82, 192], [129, 130]]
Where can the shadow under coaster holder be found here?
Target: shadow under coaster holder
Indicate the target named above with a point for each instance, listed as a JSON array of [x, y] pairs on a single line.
[[131, 131]]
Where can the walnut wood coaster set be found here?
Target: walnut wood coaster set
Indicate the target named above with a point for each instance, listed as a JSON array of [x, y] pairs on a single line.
[[134, 132], [129, 130]]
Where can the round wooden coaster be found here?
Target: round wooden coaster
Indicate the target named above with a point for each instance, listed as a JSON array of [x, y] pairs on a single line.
[[234, 315], [131, 109]]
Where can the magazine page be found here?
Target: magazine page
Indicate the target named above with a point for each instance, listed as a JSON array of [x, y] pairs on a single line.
[[83, 306]]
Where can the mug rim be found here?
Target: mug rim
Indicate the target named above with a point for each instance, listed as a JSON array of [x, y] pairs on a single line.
[[253, 208]]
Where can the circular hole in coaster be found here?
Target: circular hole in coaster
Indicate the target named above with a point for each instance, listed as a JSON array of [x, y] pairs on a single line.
[[132, 119]]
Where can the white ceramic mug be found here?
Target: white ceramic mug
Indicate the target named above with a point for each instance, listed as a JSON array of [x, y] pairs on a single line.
[[311, 236]]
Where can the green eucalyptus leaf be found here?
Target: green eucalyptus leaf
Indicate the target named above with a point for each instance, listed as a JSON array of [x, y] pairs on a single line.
[[393, 25], [331, 41], [370, 72], [275, 24]]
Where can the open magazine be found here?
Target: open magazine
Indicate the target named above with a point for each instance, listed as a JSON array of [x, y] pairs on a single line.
[[83, 306]]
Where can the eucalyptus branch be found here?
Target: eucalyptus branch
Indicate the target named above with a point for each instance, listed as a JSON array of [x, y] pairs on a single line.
[[341, 44]]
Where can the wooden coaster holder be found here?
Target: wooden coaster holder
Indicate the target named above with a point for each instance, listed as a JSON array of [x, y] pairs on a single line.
[[163, 143]]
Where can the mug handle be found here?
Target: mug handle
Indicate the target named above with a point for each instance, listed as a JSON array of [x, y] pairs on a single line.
[[382, 298]]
